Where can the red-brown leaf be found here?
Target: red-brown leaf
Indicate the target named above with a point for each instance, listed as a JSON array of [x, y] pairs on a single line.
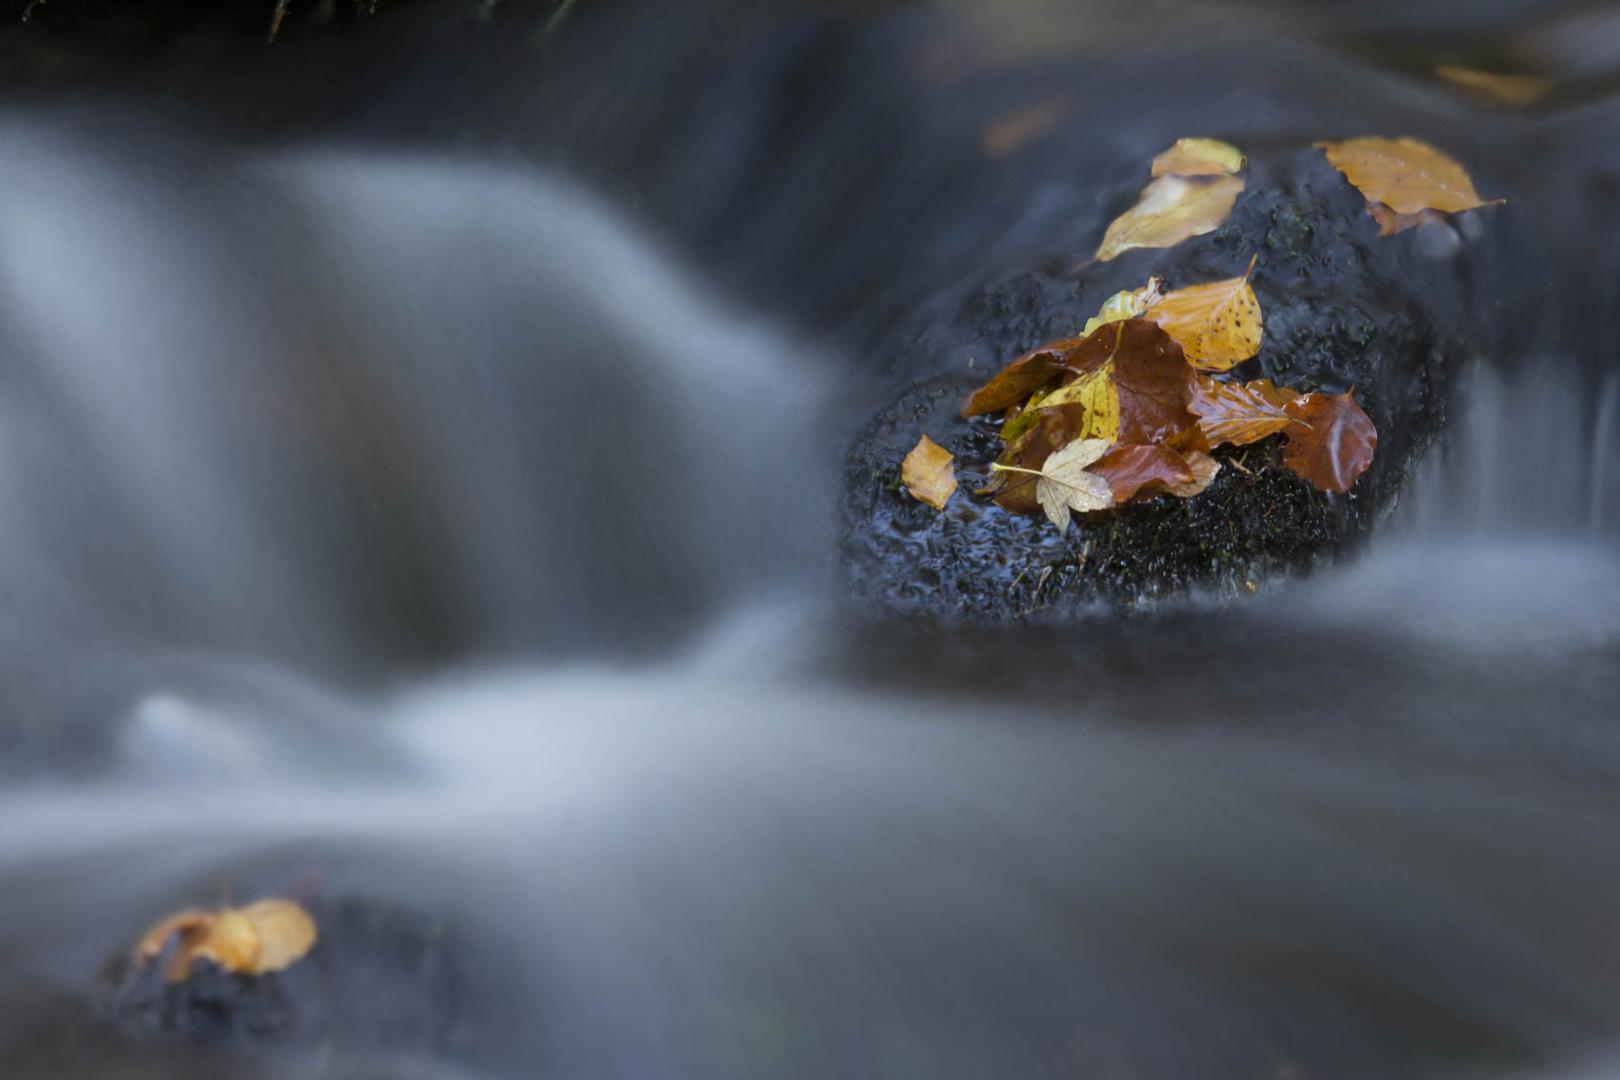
[[1035, 369], [1155, 384], [1138, 470], [1338, 445], [1057, 427], [1237, 413]]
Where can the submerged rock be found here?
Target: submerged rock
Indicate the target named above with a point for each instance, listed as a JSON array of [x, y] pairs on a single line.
[[1391, 317], [380, 976]]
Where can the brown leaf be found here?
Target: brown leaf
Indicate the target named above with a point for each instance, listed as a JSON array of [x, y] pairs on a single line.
[[1236, 413], [1405, 175], [1034, 370], [1390, 223], [1204, 469], [1134, 470], [1154, 384], [1336, 447], [1218, 325], [1054, 428], [1171, 209], [1277, 395], [1199, 157], [927, 473]]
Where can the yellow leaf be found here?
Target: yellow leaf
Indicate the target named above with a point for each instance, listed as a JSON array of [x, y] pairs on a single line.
[[1126, 304], [265, 936], [1064, 483], [928, 474], [1199, 157], [1513, 91], [1171, 209], [1098, 392], [1405, 175], [1217, 325]]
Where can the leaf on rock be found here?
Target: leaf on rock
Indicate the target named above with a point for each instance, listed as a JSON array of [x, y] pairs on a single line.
[[1236, 413], [1013, 483], [928, 474], [1154, 384], [1098, 394], [1334, 442], [1406, 176], [1218, 325], [263, 937], [1135, 470], [1014, 384], [1277, 395], [1495, 88], [1064, 486], [1171, 209], [1204, 470], [1199, 157], [1127, 304]]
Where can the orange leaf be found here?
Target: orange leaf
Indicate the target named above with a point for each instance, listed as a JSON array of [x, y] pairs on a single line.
[[1405, 175], [1236, 413], [1218, 325], [1204, 469], [1035, 369], [265, 936], [928, 474], [1336, 447], [1199, 157]]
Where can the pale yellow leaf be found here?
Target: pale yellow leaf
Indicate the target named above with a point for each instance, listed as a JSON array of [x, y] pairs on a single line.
[[1066, 486], [285, 931], [1199, 157], [1125, 304], [1217, 325], [928, 474], [1171, 209]]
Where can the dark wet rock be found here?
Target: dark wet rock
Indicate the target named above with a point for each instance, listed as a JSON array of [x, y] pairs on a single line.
[[379, 977], [1394, 318]]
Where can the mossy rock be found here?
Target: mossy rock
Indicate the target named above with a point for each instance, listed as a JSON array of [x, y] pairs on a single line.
[[1389, 317]]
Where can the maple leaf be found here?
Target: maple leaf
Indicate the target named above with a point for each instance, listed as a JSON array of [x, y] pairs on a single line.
[[262, 937], [1218, 325], [1199, 157], [928, 474], [1237, 413], [1406, 177], [1054, 428], [1064, 485], [1134, 470], [1171, 209], [1334, 442]]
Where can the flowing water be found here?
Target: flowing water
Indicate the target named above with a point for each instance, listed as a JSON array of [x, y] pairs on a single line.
[[431, 528]]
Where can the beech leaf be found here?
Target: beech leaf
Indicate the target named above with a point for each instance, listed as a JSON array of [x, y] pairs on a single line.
[[1337, 445], [1199, 157], [1097, 392], [1405, 176], [265, 936], [1035, 370], [928, 474], [1127, 304], [1171, 209], [1134, 470], [1204, 470], [1064, 485], [1236, 413], [1217, 325]]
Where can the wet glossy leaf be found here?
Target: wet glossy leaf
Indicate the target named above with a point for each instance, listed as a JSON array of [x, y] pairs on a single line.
[[1406, 176], [1334, 442], [1064, 484], [928, 474], [1217, 325], [1135, 470], [1171, 209], [1096, 392], [1199, 157], [1236, 413], [1277, 395], [1154, 384], [1013, 485], [1035, 370], [1204, 470], [263, 937]]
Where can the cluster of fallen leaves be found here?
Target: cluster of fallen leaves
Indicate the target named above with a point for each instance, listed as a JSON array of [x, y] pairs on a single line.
[[262, 937], [1132, 406]]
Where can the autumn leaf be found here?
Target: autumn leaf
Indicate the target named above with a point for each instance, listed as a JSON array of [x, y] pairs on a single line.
[[1236, 413], [1033, 371], [1494, 88], [1154, 384], [1334, 442], [1014, 487], [1204, 470], [1277, 395], [266, 936], [1199, 157], [1126, 304], [1217, 325], [1064, 485], [1133, 470], [928, 474], [1406, 176], [1171, 209]]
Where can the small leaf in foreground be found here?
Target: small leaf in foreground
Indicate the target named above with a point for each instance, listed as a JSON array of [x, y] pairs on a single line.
[[1199, 157], [928, 474], [1171, 209], [1218, 325], [1405, 175], [1064, 485], [263, 937], [1336, 447]]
